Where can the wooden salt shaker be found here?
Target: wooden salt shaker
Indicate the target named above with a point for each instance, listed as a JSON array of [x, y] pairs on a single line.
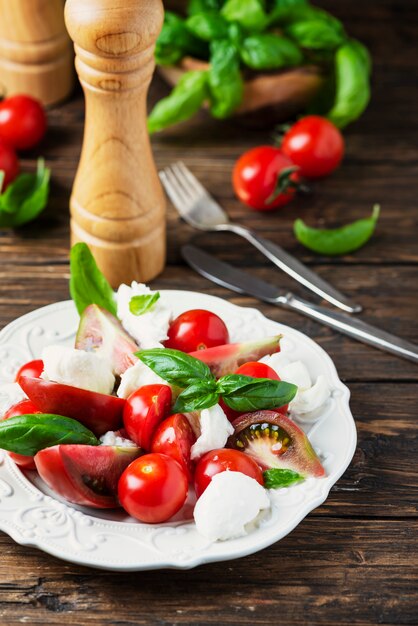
[[117, 204], [36, 55]]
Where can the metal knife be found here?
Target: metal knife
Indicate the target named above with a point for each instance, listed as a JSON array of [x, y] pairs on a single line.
[[237, 280]]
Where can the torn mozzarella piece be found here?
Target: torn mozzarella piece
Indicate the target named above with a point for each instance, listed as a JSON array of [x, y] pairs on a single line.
[[137, 376], [230, 502], [215, 428], [85, 370], [10, 394], [308, 400], [297, 374], [149, 329], [275, 361], [111, 438]]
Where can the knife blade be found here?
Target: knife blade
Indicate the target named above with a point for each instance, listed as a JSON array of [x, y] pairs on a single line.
[[239, 281]]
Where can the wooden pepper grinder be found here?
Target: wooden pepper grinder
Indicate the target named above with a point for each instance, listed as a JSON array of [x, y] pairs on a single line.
[[36, 55], [117, 204]]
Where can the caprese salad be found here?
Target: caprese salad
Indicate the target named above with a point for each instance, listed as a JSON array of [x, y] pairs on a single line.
[[147, 409]]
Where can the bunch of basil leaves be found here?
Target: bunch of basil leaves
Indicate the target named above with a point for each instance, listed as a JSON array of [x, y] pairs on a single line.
[[258, 35]]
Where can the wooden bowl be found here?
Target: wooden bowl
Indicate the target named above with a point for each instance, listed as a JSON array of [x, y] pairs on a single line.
[[268, 97]]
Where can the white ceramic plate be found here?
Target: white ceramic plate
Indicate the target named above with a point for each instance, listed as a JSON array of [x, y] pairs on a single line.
[[111, 540]]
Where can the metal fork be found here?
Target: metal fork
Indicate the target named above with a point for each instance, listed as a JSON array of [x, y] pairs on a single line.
[[200, 210]]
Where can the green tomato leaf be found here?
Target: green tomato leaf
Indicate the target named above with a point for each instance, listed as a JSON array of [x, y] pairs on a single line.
[[244, 393], [25, 198], [336, 241], [144, 303], [87, 283], [208, 26], [316, 34], [176, 367], [249, 14], [352, 84], [196, 397], [268, 51], [225, 82], [184, 101], [277, 478], [27, 434]]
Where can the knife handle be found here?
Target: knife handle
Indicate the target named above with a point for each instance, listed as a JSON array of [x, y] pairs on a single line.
[[296, 269], [355, 328]]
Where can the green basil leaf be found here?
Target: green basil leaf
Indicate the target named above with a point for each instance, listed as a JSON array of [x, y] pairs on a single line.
[[176, 367], [335, 241], [282, 10], [244, 393], [87, 283], [208, 26], [183, 102], [144, 303], [268, 51], [27, 434], [175, 41], [302, 12], [196, 397], [200, 6], [249, 14], [352, 90], [276, 478], [225, 81], [316, 34], [25, 198]]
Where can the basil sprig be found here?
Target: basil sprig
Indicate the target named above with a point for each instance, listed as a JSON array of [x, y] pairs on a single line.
[[27, 434], [25, 198], [336, 241], [87, 283], [139, 305], [202, 390], [276, 478]]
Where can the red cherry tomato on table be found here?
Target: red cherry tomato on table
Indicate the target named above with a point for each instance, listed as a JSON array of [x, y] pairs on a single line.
[[315, 145], [197, 329], [153, 488], [22, 121], [33, 369], [256, 176], [144, 410], [223, 460], [9, 164], [24, 407], [175, 437]]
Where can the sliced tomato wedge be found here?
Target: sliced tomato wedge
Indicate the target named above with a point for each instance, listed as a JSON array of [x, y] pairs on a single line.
[[97, 411]]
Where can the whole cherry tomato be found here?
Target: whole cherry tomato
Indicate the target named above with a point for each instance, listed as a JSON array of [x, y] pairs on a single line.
[[315, 145], [197, 329], [33, 369], [153, 488], [24, 407], [22, 121], [223, 460], [261, 370], [9, 164], [264, 178], [144, 410], [175, 437]]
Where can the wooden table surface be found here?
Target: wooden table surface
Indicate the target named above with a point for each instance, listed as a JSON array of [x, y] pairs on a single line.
[[353, 560]]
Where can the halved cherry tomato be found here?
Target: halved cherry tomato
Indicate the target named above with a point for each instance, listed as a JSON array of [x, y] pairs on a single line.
[[22, 121], [9, 164], [196, 329], [24, 407], [97, 411], [315, 145], [223, 460], [153, 488], [256, 178], [175, 437], [144, 410], [33, 369]]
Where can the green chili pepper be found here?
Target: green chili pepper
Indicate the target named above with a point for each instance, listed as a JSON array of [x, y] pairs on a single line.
[[335, 241]]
